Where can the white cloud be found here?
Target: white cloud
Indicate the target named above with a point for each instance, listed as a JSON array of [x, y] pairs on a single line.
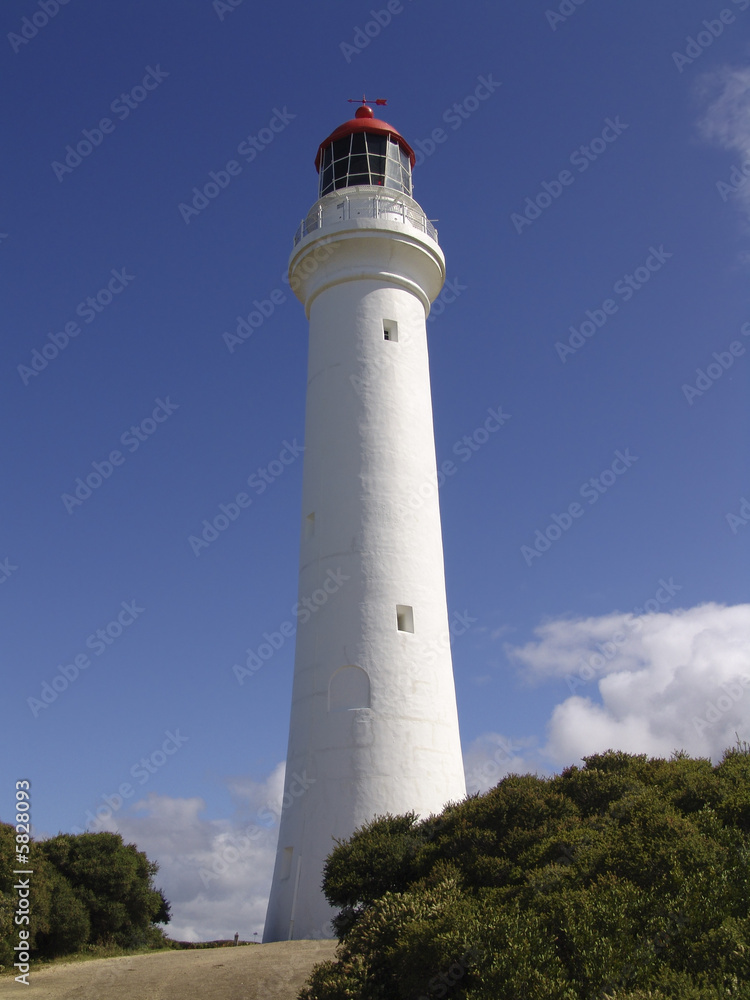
[[645, 684], [725, 94], [215, 873], [727, 118]]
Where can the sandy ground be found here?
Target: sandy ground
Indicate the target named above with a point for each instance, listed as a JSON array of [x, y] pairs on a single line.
[[254, 972]]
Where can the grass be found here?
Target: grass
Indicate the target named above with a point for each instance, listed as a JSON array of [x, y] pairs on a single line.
[[94, 951]]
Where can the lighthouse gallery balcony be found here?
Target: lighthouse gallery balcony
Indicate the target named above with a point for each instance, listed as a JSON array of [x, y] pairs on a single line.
[[365, 202]]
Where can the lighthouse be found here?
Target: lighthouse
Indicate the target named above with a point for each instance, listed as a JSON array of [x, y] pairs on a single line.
[[373, 727]]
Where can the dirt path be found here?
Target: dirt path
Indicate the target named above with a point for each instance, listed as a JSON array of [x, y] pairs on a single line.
[[253, 972]]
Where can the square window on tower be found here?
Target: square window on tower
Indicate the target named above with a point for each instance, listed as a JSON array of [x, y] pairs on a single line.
[[390, 330], [405, 618]]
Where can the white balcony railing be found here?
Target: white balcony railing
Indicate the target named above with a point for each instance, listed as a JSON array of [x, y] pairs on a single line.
[[365, 206]]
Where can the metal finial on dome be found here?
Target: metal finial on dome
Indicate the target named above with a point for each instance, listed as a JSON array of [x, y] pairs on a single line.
[[381, 101], [366, 111]]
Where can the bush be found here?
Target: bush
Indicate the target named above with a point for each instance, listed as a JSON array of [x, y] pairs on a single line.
[[86, 890], [628, 878], [113, 881]]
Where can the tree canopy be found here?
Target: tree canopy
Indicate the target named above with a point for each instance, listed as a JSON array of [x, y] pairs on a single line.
[[626, 878], [89, 888]]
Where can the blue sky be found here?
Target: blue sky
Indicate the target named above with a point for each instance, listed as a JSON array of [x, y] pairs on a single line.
[[594, 216]]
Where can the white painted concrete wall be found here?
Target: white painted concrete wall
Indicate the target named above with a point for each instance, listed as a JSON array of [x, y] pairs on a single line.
[[383, 737]]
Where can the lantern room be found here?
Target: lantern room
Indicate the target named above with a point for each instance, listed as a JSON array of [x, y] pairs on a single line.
[[365, 150]]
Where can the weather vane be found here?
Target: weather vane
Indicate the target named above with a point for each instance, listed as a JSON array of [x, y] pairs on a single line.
[[380, 100]]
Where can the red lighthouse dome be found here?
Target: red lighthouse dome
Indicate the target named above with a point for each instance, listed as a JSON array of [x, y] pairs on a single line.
[[365, 150]]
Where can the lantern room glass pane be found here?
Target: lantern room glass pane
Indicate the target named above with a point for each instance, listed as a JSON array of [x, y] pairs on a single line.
[[376, 144], [392, 168], [365, 158], [358, 164], [341, 147], [377, 170], [340, 171]]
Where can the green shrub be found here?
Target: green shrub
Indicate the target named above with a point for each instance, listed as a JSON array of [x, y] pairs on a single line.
[[113, 881], [86, 890], [628, 878]]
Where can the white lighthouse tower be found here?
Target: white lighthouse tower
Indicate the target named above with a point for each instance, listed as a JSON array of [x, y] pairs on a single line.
[[373, 727]]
